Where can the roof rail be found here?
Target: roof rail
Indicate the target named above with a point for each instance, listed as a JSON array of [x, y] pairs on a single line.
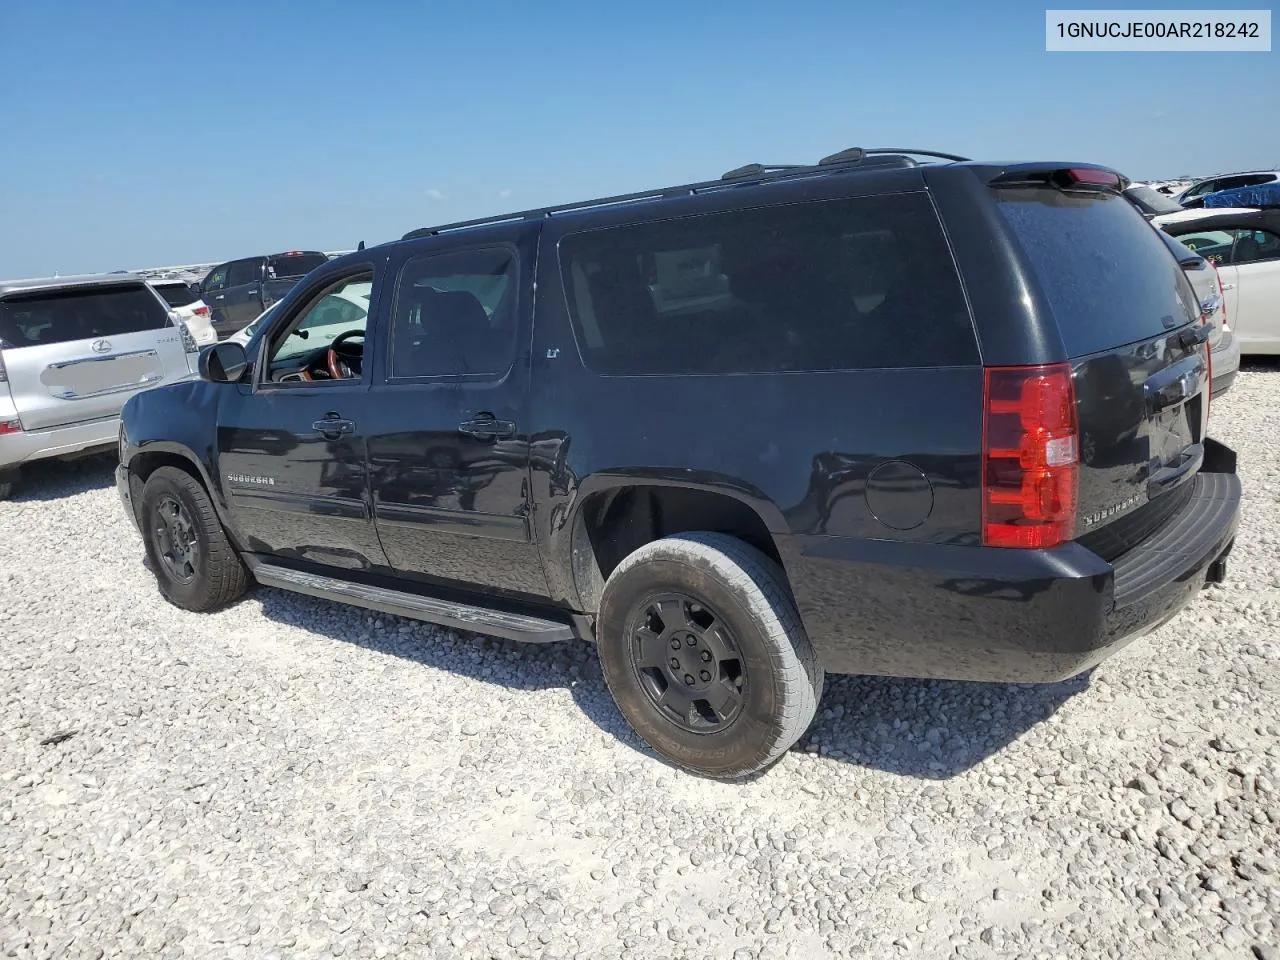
[[739, 176]]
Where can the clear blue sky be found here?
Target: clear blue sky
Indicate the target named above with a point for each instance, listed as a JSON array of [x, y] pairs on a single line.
[[137, 133]]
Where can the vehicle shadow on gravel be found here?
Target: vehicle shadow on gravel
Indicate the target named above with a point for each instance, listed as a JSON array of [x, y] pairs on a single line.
[[46, 480], [929, 729], [926, 729]]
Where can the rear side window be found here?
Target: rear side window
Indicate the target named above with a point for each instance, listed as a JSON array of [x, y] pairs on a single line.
[[827, 285], [176, 294], [39, 320], [1108, 278], [294, 265]]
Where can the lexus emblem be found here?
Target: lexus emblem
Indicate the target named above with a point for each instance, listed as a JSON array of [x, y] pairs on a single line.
[[100, 346]]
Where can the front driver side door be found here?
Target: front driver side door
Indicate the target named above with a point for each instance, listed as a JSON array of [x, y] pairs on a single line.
[[244, 291], [213, 291], [292, 442]]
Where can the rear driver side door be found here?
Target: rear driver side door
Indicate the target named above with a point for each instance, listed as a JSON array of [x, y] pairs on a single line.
[[448, 455]]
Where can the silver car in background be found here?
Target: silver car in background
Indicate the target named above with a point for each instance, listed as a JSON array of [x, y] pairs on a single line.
[[72, 351]]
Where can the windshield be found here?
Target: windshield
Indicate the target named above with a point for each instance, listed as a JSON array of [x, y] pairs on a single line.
[[1151, 202], [294, 264], [176, 294]]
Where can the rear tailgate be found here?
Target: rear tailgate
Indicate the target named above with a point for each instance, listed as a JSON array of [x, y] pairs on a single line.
[[75, 355], [1130, 323]]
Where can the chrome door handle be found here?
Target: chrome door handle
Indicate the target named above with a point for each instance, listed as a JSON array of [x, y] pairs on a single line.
[[333, 427], [485, 427], [1228, 286]]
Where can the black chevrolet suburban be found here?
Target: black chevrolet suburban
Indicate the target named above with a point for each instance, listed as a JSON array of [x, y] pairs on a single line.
[[892, 413]]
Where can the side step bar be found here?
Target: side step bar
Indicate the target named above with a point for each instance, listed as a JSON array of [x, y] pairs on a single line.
[[461, 616]]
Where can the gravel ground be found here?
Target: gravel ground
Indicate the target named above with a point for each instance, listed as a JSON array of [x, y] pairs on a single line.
[[292, 778]]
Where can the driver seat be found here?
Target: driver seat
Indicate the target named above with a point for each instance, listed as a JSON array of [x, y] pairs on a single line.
[[456, 338]]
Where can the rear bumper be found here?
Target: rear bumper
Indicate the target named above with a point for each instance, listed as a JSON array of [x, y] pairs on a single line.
[[19, 448], [974, 613]]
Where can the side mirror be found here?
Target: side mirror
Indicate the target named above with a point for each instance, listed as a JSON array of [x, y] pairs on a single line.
[[223, 362]]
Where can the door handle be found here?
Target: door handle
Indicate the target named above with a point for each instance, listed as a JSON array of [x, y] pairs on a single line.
[[251, 292], [1228, 286], [219, 297], [485, 427], [333, 426]]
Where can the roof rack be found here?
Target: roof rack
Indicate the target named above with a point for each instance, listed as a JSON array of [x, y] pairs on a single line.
[[739, 176]]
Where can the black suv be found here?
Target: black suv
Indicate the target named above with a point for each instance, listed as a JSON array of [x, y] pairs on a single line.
[[879, 415]]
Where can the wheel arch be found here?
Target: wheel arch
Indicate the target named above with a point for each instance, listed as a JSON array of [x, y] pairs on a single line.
[[615, 515], [147, 459]]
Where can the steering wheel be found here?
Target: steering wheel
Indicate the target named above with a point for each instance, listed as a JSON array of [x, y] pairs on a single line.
[[341, 350]]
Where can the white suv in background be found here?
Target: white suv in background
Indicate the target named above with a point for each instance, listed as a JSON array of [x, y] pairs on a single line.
[[1244, 247], [72, 351], [184, 300]]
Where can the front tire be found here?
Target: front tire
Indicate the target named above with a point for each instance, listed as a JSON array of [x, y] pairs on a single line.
[[703, 650], [195, 565]]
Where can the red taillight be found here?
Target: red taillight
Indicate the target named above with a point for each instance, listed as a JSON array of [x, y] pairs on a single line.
[[1222, 292], [1030, 456], [10, 426], [1208, 394], [201, 311]]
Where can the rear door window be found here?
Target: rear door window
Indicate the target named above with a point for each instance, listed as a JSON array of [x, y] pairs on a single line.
[[243, 272], [1107, 277], [455, 314], [1254, 246], [41, 319], [844, 284], [294, 265]]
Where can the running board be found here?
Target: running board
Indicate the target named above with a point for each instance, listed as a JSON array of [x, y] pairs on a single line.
[[461, 616]]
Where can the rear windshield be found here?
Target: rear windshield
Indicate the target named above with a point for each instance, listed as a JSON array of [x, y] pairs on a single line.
[[176, 294], [1107, 276], [40, 319], [1151, 202], [294, 265]]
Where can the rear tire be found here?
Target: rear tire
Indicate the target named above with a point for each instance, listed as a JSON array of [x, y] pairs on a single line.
[[6, 489], [703, 650], [195, 565]]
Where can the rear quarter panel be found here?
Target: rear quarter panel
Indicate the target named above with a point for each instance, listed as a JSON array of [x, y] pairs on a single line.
[[866, 454]]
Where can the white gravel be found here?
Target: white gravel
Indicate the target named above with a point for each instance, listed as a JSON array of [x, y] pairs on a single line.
[[293, 778]]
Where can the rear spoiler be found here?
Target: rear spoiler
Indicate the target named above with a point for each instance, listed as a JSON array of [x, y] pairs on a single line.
[[1074, 176]]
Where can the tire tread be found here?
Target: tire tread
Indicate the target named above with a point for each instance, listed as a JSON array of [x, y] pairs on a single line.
[[225, 579]]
